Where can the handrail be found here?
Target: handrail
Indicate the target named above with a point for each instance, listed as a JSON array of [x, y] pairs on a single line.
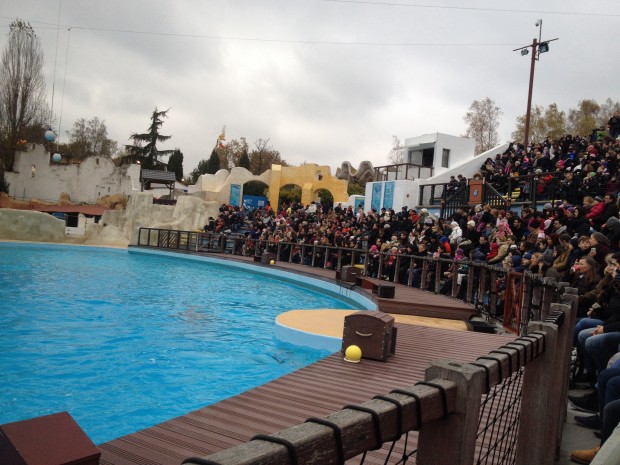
[[480, 283]]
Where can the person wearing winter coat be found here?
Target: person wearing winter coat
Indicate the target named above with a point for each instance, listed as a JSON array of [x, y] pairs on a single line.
[[609, 210], [456, 234], [600, 248], [612, 231], [502, 251]]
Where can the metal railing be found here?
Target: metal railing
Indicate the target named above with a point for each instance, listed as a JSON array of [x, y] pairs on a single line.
[[485, 286], [402, 171]]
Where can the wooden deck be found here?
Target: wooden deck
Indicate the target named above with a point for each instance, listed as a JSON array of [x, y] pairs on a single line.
[[407, 300], [316, 390]]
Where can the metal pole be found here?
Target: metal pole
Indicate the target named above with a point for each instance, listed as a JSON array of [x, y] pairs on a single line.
[[529, 95]]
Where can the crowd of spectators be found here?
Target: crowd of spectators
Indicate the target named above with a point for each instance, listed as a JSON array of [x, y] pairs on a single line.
[[569, 168], [576, 239]]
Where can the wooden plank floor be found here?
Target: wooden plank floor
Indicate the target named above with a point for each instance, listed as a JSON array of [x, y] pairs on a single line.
[[316, 390], [407, 300]]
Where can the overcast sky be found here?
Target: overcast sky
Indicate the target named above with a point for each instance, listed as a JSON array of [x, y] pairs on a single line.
[[325, 81]]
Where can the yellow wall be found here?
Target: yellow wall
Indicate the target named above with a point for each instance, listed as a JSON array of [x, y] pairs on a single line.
[[306, 177]]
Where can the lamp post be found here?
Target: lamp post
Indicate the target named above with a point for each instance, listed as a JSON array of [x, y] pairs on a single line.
[[538, 47]]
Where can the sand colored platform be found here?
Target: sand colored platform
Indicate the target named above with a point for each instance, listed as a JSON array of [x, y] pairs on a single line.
[[328, 322]]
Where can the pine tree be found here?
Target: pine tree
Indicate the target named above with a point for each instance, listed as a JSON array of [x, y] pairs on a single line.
[[148, 154], [175, 164], [213, 165], [244, 160]]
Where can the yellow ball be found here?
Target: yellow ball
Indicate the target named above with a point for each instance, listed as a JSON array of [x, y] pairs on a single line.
[[353, 354], [272, 262]]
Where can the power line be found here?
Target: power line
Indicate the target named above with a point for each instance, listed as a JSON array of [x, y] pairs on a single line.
[[465, 8], [259, 39]]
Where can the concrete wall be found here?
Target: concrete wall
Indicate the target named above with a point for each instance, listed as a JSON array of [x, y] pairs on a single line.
[[26, 225], [216, 187], [117, 227], [311, 178], [36, 176]]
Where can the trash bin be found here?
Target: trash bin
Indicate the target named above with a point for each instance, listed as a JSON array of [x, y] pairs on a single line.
[[385, 291], [349, 273], [373, 332]]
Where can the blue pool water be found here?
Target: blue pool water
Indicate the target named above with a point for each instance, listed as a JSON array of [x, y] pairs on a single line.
[[124, 341]]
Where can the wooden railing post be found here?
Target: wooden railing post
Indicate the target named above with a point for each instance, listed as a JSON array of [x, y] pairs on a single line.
[[538, 423], [565, 344], [452, 439]]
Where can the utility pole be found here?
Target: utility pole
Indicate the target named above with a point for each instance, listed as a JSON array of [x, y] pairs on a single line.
[[538, 46]]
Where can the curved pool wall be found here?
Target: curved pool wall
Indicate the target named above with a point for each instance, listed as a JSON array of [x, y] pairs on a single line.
[[284, 333], [350, 296], [149, 355]]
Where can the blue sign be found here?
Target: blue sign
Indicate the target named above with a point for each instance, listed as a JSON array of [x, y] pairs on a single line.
[[250, 202], [235, 195], [359, 202], [388, 195], [375, 202]]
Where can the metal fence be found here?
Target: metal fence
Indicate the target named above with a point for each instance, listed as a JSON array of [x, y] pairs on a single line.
[[507, 407], [484, 286]]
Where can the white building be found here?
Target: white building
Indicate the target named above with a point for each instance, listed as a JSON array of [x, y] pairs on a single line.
[[438, 152], [36, 175], [429, 159]]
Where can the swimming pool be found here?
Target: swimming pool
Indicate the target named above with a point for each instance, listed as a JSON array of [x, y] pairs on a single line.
[[124, 341]]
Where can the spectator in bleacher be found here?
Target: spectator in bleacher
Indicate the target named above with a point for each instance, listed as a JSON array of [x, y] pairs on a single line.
[[456, 234], [609, 209], [579, 224], [613, 125], [584, 275], [612, 231], [600, 248]]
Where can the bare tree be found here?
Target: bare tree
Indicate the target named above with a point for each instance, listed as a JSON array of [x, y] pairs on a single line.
[[606, 111], [550, 122], [482, 122], [88, 138], [263, 156], [22, 89], [397, 153], [582, 120]]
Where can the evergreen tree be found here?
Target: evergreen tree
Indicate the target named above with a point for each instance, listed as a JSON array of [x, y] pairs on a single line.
[[148, 154], [213, 165], [175, 163], [244, 160], [202, 167]]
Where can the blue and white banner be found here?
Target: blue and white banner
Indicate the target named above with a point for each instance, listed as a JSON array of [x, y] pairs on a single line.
[[375, 202], [235, 195], [388, 195]]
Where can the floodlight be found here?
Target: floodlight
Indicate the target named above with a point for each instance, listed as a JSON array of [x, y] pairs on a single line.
[[524, 51], [544, 47]]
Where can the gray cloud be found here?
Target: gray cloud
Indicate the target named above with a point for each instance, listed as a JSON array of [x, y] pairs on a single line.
[[316, 102]]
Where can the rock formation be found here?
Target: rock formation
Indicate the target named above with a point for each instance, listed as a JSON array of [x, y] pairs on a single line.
[[362, 175]]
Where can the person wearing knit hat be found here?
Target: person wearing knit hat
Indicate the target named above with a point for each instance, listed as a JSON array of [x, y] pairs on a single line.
[[547, 206]]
